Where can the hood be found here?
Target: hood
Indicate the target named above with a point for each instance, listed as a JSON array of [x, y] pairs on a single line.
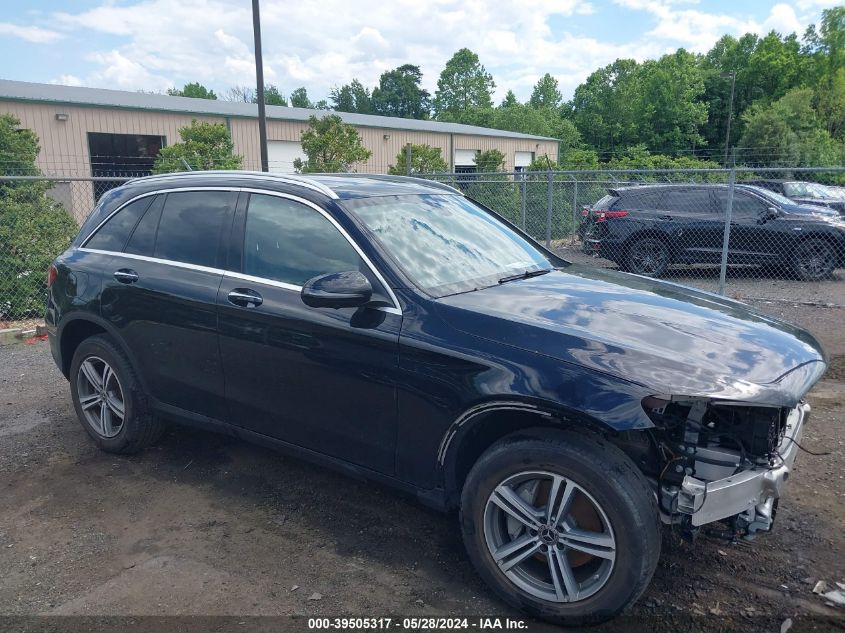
[[671, 339], [805, 208]]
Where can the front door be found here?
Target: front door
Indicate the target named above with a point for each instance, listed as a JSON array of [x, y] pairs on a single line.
[[319, 378]]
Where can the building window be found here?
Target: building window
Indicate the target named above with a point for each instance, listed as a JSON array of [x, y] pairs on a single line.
[[121, 156]]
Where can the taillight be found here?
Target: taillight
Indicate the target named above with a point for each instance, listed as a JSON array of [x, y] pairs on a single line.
[[52, 273], [604, 216], [585, 212]]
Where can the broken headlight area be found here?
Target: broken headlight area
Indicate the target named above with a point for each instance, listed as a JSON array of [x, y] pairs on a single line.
[[720, 461]]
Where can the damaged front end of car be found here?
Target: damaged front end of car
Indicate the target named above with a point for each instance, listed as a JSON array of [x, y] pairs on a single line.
[[722, 462]]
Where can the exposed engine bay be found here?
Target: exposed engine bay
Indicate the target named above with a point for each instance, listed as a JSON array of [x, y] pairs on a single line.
[[719, 464]]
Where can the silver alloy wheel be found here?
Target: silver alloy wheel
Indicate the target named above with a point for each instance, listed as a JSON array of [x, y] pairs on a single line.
[[649, 256], [100, 396], [549, 536], [815, 259]]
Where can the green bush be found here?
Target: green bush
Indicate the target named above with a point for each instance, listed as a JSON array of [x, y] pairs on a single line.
[[33, 230]]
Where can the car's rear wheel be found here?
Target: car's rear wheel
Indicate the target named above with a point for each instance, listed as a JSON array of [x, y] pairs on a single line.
[[813, 259], [561, 525], [108, 398], [647, 256]]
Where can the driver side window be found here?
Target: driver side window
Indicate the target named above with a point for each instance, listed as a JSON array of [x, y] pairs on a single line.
[[290, 242]]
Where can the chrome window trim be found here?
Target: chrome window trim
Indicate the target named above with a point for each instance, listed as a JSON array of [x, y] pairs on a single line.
[[394, 309], [155, 260]]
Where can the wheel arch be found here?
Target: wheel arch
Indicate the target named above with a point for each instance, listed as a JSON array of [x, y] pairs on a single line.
[[74, 330], [481, 426]]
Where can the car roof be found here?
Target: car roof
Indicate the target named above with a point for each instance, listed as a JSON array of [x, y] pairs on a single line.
[[336, 186]]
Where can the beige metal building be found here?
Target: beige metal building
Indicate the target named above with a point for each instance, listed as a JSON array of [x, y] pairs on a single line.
[[109, 133]]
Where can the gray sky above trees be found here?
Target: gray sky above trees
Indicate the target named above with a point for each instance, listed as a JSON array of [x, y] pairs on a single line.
[[161, 44]]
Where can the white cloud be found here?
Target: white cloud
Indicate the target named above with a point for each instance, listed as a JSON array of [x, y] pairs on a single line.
[[68, 80], [330, 42], [29, 33]]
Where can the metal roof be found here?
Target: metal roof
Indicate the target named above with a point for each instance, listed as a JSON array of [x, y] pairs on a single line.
[[99, 97]]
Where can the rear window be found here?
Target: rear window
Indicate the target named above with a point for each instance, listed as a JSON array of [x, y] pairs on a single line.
[[604, 203]]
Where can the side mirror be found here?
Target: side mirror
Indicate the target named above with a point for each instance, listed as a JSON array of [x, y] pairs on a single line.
[[769, 214], [349, 289]]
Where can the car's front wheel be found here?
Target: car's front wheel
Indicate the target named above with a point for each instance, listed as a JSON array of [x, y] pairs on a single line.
[[108, 398], [813, 260], [561, 525]]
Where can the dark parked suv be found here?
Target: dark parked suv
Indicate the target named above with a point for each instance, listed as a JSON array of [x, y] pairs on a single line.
[[396, 330], [647, 228]]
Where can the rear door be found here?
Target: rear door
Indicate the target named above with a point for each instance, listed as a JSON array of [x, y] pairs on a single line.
[[161, 293], [694, 225]]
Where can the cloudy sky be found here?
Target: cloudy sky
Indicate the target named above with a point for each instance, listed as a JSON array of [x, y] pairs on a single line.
[[157, 44]]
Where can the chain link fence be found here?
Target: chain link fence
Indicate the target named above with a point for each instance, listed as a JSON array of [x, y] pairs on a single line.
[[768, 234], [733, 231]]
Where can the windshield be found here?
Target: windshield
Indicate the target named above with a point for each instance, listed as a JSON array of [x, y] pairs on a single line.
[[445, 243], [771, 195]]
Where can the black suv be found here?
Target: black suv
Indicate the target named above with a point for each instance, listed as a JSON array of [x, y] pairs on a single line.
[[647, 228], [398, 331]]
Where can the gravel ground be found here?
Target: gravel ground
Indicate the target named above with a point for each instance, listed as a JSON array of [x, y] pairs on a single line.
[[202, 524]]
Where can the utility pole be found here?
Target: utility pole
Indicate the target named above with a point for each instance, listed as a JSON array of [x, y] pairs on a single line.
[[259, 79], [732, 75]]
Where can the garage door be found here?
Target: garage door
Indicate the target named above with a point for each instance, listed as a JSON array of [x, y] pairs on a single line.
[[522, 159], [281, 154], [465, 157]]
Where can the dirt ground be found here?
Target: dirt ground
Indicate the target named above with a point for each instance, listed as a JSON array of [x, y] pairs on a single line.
[[206, 525]]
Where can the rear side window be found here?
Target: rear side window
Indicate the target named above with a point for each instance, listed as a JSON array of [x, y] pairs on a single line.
[[290, 242], [190, 226], [638, 199], [143, 239], [113, 234]]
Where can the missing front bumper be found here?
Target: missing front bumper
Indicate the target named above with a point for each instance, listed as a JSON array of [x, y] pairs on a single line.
[[751, 492]]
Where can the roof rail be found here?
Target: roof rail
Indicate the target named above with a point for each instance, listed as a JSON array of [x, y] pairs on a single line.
[[304, 181], [434, 184]]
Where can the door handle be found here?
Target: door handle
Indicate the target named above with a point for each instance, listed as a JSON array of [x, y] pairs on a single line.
[[126, 276], [244, 298]]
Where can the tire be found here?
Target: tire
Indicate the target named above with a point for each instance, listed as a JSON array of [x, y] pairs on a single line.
[[647, 256], [99, 408], [813, 259], [611, 500]]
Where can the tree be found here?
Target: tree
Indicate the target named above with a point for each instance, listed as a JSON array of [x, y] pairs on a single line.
[[272, 96], [425, 159], [203, 146], [510, 100], [33, 227], [195, 90], [299, 98], [464, 85], [399, 94], [331, 146], [242, 94], [788, 133], [352, 97], [670, 109], [605, 108], [546, 93], [489, 161]]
